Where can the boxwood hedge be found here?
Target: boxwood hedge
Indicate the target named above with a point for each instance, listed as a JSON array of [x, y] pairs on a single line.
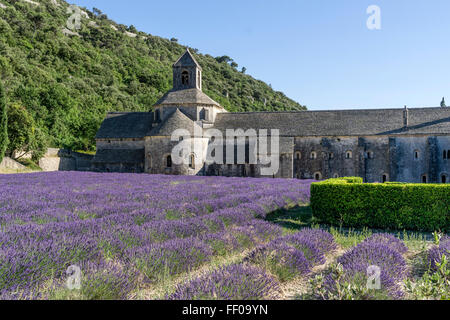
[[350, 202]]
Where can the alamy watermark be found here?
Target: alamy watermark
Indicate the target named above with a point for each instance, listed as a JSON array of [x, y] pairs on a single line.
[[374, 20], [236, 147], [74, 280], [374, 278], [74, 21]]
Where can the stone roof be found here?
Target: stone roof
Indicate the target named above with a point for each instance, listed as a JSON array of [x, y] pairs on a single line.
[[130, 156], [126, 125], [191, 96], [187, 60], [177, 120], [341, 123]]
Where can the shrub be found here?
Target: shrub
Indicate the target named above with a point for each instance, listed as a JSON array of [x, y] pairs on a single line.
[[234, 282], [388, 240], [170, 258], [355, 265], [283, 260], [433, 285], [424, 207], [295, 254], [436, 253]]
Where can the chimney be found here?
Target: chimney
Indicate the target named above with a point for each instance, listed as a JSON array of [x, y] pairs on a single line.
[[406, 117]]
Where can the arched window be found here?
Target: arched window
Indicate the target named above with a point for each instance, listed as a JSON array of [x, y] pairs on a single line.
[[192, 161], [385, 178], [317, 176], [158, 115], [185, 78], [444, 178], [416, 154], [298, 155], [424, 178], [349, 155], [336, 175], [313, 155], [169, 161]]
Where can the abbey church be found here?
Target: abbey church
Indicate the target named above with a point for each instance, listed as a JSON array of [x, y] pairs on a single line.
[[379, 145]]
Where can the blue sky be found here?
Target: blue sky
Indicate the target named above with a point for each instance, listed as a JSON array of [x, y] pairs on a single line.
[[318, 52]]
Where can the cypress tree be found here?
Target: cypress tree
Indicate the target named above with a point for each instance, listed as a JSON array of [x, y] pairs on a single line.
[[3, 123]]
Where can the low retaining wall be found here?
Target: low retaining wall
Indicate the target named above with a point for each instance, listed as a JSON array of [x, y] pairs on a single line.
[[65, 160], [9, 163]]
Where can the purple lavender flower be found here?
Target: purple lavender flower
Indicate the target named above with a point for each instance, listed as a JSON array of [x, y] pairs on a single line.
[[436, 253], [357, 261], [390, 241], [234, 282], [161, 224], [282, 260]]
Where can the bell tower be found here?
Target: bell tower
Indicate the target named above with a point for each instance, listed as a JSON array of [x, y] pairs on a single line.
[[187, 73]]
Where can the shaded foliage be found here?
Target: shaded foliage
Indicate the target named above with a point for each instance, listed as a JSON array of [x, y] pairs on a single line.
[[3, 123]]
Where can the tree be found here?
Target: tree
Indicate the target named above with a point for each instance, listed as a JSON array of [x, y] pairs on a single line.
[[3, 123], [244, 69], [132, 29], [20, 130], [97, 12], [443, 103], [223, 59], [234, 64]]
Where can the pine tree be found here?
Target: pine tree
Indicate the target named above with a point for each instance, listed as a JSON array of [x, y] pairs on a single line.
[[443, 103], [3, 123]]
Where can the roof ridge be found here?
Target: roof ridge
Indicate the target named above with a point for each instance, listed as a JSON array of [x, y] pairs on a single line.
[[189, 54], [339, 110]]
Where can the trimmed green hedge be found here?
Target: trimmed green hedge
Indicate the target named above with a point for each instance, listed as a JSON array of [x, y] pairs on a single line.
[[351, 203]]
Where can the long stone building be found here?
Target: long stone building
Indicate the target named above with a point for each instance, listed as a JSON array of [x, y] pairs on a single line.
[[408, 145]]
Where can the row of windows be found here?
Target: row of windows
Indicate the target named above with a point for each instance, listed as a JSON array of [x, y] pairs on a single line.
[[313, 155], [169, 163], [318, 176], [385, 177], [370, 155], [446, 154], [444, 178]]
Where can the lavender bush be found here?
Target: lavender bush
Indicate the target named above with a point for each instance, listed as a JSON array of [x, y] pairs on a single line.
[[375, 251], [436, 253], [159, 225], [235, 282], [293, 255]]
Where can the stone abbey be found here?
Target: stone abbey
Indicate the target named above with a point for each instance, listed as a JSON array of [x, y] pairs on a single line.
[[406, 145]]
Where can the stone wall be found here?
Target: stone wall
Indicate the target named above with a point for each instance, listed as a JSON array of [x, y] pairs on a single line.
[[65, 160], [8, 163], [157, 149]]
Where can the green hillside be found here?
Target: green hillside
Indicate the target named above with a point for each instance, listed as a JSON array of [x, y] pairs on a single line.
[[68, 82]]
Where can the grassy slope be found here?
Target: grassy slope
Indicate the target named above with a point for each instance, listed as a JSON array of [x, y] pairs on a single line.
[[69, 83]]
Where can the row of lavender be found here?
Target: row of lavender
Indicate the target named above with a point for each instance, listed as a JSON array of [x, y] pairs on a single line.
[[261, 272], [285, 258], [127, 231]]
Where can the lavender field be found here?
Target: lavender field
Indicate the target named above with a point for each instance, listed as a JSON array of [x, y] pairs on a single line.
[[165, 237]]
